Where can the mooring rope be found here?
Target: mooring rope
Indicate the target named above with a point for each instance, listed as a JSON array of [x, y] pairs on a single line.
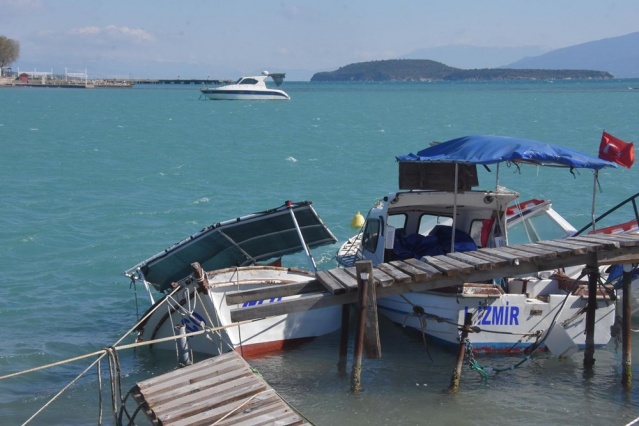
[[111, 350]]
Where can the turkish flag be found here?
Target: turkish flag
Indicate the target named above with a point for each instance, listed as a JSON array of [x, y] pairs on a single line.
[[616, 150]]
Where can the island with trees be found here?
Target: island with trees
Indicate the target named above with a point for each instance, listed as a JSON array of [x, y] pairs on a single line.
[[427, 70]]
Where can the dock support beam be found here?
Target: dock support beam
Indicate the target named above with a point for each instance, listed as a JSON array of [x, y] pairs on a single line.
[[626, 362], [367, 319], [593, 280], [454, 381], [343, 340]]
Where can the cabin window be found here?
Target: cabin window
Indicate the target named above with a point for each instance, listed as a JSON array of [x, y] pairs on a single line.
[[248, 81], [397, 221], [371, 234], [428, 221]]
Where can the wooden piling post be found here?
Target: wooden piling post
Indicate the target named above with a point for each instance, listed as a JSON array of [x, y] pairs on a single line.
[[589, 352], [626, 361], [454, 380], [343, 341], [364, 272]]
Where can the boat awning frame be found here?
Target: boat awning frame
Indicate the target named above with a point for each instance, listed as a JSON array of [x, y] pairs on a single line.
[[243, 241]]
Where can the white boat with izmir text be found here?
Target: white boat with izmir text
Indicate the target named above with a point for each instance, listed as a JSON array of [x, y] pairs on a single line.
[[438, 211]]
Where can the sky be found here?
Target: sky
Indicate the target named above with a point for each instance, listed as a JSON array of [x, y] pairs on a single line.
[[227, 39]]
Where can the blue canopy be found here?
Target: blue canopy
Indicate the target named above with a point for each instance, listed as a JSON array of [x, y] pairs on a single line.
[[487, 149]]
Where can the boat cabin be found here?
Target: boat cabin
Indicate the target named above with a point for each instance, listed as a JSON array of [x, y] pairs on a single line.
[[413, 224]]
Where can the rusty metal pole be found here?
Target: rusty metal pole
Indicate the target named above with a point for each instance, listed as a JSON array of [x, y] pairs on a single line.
[[343, 341], [589, 352], [626, 361], [454, 381], [362, 289]]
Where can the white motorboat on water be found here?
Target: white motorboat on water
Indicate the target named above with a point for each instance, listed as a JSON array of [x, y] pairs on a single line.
[[197, 275], [249, 88], [437, 211]]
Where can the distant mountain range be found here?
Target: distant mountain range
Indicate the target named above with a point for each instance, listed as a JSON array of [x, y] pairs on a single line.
[[618, 55]]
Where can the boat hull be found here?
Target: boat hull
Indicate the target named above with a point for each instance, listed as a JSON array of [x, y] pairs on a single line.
[[191, 312], [244, 95], [503, 323]]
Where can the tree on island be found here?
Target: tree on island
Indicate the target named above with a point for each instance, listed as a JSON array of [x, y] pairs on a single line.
[[9, 52]]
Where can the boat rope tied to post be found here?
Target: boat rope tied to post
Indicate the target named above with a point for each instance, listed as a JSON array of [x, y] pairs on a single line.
[[420, 313], [472, 362]]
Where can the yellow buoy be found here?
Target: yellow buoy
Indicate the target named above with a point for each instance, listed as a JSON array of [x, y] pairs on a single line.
[[358, 220]]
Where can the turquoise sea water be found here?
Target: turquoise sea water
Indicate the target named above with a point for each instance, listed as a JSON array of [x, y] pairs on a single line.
[[93, 181]]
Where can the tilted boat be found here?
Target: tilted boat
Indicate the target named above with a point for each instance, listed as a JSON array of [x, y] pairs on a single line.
[[197, 276], [437, 211], [249, 88]]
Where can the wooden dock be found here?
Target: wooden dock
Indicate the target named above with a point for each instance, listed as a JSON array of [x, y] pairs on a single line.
[[339, 286], [222, 390]]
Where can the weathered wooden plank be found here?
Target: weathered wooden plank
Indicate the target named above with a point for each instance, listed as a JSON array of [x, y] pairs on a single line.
[[190, 405], [543, 254], [504, 253], [524, 256], [278, 416], [346, 277], [596, 239], [162, 395], [430, 270], [460, 265], [415, 273], [211, 366], [271, 291], [381, 278], [571, 247], [624, 239], [560, 251], [330, 283], [479, 264], [442, 266], [397, 275], [496, 262]]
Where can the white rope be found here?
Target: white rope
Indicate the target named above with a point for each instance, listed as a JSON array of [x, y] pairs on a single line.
[[240, 406]]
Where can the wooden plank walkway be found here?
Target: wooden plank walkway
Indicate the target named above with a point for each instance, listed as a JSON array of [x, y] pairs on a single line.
[[339, 286], [222, 390]]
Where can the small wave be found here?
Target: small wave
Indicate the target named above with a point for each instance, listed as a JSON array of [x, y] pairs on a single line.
[[202, 200], [291, 159]]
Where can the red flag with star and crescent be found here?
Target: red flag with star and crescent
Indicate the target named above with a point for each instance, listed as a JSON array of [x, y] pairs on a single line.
[[616, 150]]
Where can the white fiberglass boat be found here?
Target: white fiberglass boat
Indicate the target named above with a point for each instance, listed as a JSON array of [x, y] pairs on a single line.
[[196, 300], [439, 212], [248, 88]]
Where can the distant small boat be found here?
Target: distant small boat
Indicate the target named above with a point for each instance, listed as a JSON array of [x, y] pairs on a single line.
[[248, 88]]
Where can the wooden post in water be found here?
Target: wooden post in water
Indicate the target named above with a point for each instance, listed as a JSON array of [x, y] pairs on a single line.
[[343, 340], [626, 361], [454, 381], [589, 352], [364, 272]]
